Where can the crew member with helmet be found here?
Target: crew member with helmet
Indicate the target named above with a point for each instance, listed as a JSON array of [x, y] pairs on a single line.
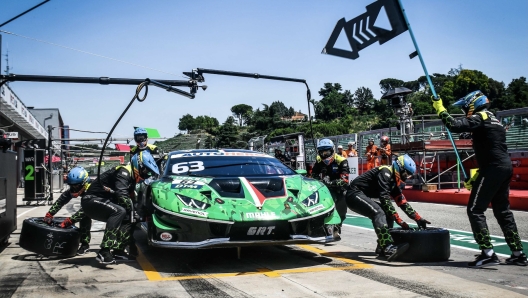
[[384, 182], [491, 184], [385, 151], [371, 153], [332, 169], [141, 138], [110, 199], [351, 151], [79, 182]]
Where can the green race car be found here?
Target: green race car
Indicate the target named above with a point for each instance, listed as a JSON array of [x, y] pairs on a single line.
[[231, 197]]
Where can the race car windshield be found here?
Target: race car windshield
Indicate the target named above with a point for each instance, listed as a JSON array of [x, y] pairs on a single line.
[[227, 166]]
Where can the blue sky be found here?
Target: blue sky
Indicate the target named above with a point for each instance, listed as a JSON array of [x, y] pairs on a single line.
[[281, 38]]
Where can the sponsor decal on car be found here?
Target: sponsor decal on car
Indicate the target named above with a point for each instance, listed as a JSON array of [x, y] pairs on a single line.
[[205, 154], [194, 212], [260, 231], [165, 236], [187, 183], [316, 208], [201, 179], [261, 215]]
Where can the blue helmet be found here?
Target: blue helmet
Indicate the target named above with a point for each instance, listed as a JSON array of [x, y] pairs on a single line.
[[325, 149], [473, 102], [77, 175], [78, 180], [405, 166], [144, 165], [141, 137]]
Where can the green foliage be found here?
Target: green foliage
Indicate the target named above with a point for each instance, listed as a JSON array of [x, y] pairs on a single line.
[[339, 111], [363, 100], [227, 134], [468, 81], [186, 122], [241, 111], [334, 104], [515, 95]]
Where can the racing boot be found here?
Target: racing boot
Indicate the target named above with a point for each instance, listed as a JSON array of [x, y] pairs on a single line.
[[483, 260], [519, 260], [133, 250], [121, 255], [105, 257], [379, 250], [83, 249], [393, 251], [337, 232]]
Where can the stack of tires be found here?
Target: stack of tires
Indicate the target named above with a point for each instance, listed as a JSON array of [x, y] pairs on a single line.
[[49, 239], [429, 245]]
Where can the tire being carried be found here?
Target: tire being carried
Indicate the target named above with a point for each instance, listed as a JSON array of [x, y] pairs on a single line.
[[49, 240], [429, 245]]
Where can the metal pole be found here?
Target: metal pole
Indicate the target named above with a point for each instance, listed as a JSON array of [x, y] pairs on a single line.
[[429, 80], [458, 175], [50, 169], [438, 163], [18, 16]]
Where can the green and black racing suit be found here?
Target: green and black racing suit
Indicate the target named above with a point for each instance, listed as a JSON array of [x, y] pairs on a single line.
[[492, 184], [109, 199]]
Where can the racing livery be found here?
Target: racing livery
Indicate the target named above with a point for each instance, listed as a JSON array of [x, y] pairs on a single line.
[[231, 197]]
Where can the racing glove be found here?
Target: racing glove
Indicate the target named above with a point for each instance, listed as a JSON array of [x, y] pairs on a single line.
[[468, 184], [66, 223], [400, 221], [422, 223], [48, 218], [438, 105]]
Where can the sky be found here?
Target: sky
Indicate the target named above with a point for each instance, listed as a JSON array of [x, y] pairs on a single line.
[[278, 38]]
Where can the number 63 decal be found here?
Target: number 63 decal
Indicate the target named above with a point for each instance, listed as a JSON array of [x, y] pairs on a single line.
[[185, 167]]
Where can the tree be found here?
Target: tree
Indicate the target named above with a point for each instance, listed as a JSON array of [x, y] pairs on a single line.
[[334, 104], [277, 109], [240, 110], [187, 122], [363, 100], [515, 95], [227, 133], [468, 81]]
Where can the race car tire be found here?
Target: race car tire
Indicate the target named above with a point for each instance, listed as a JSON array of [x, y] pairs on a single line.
[[429, 245], [49, 240]]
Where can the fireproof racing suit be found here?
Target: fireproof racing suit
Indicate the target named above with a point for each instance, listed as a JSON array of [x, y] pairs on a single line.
[[492, 184], [85, 223], [335, 176], [379, 183], [154, 151], [109, 199]]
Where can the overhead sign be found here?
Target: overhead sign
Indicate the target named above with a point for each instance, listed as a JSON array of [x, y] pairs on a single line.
[[12, 135], [368, 28]]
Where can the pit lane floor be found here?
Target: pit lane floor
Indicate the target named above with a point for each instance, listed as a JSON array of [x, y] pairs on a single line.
[[348, 268]]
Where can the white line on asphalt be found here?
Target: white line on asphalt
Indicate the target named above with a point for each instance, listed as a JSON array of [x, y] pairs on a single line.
[[26, 211], [477, 250]]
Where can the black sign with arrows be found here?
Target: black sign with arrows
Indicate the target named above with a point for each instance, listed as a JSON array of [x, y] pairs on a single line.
[[362, 31]]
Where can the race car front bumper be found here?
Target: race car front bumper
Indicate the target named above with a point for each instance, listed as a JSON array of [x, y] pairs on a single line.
[[173, 230]]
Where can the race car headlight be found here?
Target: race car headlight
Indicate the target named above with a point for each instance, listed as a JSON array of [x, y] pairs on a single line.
[[311, 200], [190, 202]]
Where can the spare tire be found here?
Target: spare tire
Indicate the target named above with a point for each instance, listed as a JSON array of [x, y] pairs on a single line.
[[49, 240], [429, 245]]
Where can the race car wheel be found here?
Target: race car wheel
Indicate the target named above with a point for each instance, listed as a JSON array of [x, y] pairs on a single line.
[[49, 240], [429, 245]]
